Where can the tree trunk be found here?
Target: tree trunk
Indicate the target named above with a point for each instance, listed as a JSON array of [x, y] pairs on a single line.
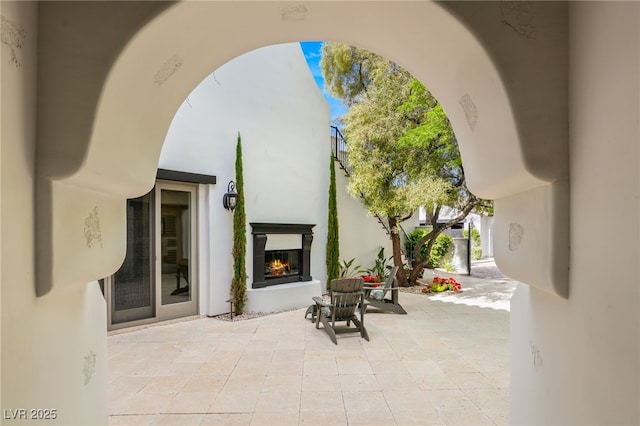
[[420, 265], [397, 253]]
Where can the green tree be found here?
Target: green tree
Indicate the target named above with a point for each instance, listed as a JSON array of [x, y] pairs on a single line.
[[402, 151], [333, 243], [346, 70], [239, 251]]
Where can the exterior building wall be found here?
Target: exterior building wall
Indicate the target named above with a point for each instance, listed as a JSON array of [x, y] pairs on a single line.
[[486, 235], [361, 236], [54, 349], [412, 223], [576, 361], [268, 96]]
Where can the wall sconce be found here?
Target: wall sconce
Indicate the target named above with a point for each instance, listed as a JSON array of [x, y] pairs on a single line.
[[230, 198]]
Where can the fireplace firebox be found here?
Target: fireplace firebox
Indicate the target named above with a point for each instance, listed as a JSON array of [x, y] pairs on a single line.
[[281, 263], [285, 258]]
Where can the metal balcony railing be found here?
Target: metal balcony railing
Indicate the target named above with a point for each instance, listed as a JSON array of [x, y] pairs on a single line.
[[339, 149]]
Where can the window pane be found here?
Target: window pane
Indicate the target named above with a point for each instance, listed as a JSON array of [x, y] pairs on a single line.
[[132, 282], [175, 237]]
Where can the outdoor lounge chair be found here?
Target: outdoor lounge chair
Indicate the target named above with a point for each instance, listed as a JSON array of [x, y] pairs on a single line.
[[347, 295], [376, 296]]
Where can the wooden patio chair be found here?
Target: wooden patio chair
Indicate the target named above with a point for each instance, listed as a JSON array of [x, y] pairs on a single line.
[[347, 296], [377, 296]]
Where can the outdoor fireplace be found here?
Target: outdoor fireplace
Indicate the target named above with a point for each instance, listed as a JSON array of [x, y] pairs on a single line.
[[281, 253]]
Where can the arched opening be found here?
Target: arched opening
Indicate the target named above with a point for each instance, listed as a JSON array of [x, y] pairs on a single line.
[[158, 67]]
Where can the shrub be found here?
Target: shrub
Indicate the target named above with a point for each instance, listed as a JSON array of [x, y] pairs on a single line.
[[413, 239], [448, 266], [381, 266], [444, 284], [476, 249], [476, 253], [475, 236], [239, 249], [440, 248], [333, 244], [348, 269]]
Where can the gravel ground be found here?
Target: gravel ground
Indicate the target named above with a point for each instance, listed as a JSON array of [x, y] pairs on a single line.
[[247, 315]]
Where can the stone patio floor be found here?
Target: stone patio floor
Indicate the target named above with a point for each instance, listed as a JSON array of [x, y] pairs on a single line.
[[444, 363]]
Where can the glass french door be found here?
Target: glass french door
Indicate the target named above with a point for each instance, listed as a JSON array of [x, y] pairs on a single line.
[[176, 287], [131, 288], [157, 279]]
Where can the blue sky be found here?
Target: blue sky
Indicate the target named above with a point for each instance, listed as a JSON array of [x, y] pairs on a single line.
[[312, 53]]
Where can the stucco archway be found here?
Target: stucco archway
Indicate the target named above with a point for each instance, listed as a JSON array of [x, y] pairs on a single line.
[[156, 55]]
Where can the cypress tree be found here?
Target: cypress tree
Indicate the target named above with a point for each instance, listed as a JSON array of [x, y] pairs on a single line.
[[333, 244], [239, 251]]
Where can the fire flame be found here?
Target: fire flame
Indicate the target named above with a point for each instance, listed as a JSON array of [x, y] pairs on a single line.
[[277, 267]]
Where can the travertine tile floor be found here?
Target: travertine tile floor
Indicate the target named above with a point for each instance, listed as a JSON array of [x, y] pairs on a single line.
[[443, 363]]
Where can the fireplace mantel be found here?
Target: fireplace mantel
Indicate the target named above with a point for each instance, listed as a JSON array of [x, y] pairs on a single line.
[[281, 228], [260, 232]]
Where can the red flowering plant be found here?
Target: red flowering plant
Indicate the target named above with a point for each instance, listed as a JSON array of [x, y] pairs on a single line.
[[372, 280], [443, 284]]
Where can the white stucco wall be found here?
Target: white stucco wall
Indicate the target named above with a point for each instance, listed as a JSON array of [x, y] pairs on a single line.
[[576, 361], [54, 351], [486, 235], [270, 97], [412, 223], [361, 236]]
